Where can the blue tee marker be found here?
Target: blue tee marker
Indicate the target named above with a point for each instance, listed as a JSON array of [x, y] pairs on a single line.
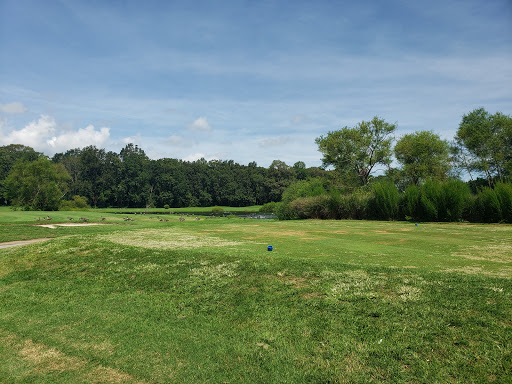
[[270, 248]]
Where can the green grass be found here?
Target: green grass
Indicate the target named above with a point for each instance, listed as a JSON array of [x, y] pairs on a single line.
[[204, 301]]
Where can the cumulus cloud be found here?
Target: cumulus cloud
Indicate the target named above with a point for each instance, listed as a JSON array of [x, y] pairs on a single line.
[[34, 134], [43, 135], [200, 125], [13, 108], [132, 139], [83, 137], [197, 156], [274, 141]]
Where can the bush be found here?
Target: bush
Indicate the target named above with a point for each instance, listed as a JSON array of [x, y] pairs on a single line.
[[77, 204], [217, 211], [430, 200], [268, 208], [504, 194], [384, 201], [409, 203], [455, 198], [487, 207]]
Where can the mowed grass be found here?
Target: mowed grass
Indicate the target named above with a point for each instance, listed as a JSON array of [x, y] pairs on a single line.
[[147, 301]]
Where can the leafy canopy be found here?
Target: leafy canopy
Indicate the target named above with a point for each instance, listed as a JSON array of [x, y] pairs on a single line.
[[355, 152], [423, 155], [483, 144], [37, 185]]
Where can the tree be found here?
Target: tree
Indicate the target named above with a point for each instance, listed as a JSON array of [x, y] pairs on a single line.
[[354, 152], [37, 185], [483, 144], [9, 155], [423, 155]]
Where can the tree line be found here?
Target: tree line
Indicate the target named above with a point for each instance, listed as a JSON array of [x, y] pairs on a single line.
[[425, 186], [360, 164], [131, 179]]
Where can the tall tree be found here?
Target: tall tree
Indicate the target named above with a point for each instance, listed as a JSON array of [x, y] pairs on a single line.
[[38, 185], [423, 155], [9, 155], [355, 152], [483, 144]]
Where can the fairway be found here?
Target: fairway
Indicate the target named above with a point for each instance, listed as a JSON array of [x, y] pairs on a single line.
[[150, 301]]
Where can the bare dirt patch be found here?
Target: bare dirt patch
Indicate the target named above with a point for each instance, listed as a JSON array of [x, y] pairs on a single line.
[[21, 242], [54, 226]]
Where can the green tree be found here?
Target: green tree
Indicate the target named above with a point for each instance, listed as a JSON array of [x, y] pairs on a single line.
[[9, 155], [423, 155], [483, 144], [37, 185], [355, 152]]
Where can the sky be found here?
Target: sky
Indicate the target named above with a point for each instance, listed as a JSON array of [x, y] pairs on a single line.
[[244, 80]]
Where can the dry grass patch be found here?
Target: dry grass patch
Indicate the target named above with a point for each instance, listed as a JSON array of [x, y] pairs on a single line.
[[498, 253], [167, 239], [109, 375]]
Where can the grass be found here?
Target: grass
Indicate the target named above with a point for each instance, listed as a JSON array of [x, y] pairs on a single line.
[[204, 301]]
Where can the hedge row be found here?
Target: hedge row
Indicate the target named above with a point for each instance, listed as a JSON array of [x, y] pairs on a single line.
[[433, 201]]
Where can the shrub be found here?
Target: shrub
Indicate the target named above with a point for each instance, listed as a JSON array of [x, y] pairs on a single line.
[[504, 195], [487, 207], [455, 197], [409, 203], [268, 208], [430, 200], [384, 201], [76, 204], [217, 210]]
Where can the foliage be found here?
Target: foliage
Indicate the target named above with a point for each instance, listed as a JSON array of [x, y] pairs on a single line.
[[36, 185], [269, 207], [217, 210], [300, 189], [483, 144], [423, 155], [493, 205], [9, 155], [131, 179], [356, 151], [77, 203], [385, 201]]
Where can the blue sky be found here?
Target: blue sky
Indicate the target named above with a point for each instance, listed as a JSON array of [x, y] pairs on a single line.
[[244, 80]]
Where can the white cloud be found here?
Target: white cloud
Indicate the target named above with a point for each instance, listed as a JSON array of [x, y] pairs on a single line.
[[131, 139], [13, 108], [274, 141], [83, 137], [34, 134], [197, 156], [200, 125], [43, 135]]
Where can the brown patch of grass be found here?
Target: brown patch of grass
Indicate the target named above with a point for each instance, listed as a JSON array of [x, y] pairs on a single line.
[[47, 359], [110, 375], [313, 295], [504, 272], [498, 253], [41, 360]]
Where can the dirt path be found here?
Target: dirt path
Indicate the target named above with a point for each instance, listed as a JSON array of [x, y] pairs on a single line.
[[53, 226], [21, 242]]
